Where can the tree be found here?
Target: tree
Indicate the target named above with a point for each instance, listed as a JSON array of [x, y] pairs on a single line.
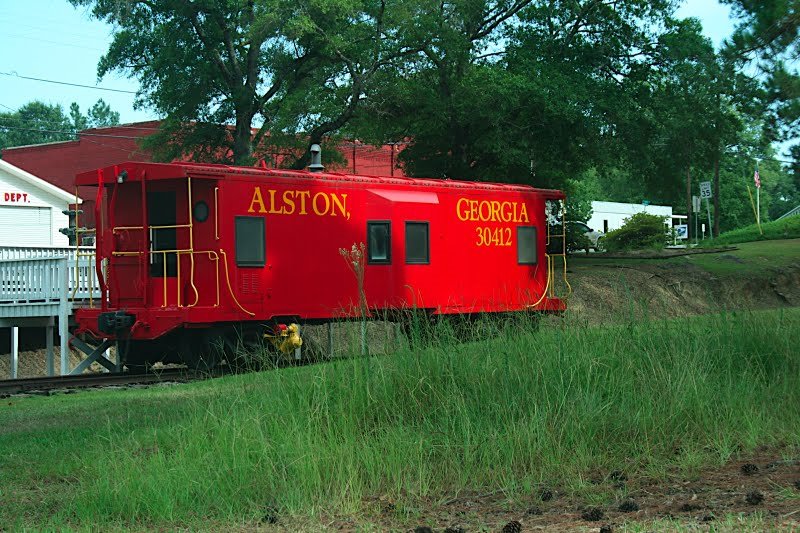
[[37, 122], [769, 36], [101, 115], [563, 87], [212, 69], [34, 123]]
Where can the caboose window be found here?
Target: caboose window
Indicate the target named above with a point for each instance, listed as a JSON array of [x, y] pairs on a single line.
[[379, 243], [250, 243], [417, 248], [526, 245]]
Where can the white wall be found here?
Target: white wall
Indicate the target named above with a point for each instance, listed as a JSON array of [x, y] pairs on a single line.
[[31, 215], [615, 213]]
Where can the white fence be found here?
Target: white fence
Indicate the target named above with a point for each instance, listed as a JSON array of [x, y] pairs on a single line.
[[28, 274], [34, 292]]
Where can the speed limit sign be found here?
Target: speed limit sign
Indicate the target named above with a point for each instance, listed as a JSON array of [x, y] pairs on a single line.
[[705, 189]]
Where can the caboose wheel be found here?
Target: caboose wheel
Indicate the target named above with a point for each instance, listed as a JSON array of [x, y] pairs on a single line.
[[200, 349], [242, 346], [139, 356]]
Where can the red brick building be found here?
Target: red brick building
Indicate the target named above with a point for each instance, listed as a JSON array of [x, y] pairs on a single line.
[[59, 162]]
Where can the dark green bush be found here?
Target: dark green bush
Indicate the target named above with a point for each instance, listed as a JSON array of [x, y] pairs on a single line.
[[641, 231], [576, 239]]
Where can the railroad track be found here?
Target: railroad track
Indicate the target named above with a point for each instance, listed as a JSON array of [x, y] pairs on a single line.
[[82, 381]]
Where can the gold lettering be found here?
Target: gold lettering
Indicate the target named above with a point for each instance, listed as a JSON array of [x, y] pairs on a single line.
[[495, 211], [523, 214], [505, 209], [257, 200], [473, 210], [327, 203], [272, 210], [288, 200], [339, 203], [485, 217], [303, 195], [463, 215]]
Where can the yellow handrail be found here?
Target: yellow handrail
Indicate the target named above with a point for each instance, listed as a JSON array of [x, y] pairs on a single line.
[[131, 228], [212, 256], [228, 280]]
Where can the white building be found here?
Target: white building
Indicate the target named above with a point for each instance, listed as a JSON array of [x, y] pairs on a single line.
[[608, 216], [31, 209]]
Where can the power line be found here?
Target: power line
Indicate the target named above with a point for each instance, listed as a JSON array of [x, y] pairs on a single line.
[[50, 30], [34, 121], [76, 133], [129, 152], [60, 43], [15, 75], [115, 126]]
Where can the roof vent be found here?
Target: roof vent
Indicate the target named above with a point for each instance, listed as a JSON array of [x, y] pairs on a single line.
[[316, 159]]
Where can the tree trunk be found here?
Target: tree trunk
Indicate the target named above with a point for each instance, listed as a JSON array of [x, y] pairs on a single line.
[[716, 197], [243, 140], [689, 227]]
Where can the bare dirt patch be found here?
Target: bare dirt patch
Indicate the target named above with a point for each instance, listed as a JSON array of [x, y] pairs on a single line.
[[701, 501], [665, 289]]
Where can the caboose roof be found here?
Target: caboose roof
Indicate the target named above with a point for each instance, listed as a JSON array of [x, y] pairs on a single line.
[[163, 171]]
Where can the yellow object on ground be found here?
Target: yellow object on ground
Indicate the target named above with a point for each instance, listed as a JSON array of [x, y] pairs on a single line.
[[288, 340]]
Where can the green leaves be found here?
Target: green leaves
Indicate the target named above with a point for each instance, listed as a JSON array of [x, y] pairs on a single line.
[[37, 122]]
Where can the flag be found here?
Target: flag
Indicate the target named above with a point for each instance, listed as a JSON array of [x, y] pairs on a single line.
[[757, 179]]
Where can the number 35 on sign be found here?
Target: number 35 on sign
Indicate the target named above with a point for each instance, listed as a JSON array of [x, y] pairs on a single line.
[[705, 189]]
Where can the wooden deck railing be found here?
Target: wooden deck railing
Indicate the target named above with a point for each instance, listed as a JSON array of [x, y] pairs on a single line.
[[29, 274]]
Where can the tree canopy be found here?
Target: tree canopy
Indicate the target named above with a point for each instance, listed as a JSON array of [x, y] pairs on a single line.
[[37, 122], [559, 93]]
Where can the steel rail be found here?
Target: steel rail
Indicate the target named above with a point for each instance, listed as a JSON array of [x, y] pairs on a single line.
[[82, 381]]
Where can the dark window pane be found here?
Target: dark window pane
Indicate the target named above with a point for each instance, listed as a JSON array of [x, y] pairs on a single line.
[[526, 245], [162, 211], [250, 246], [200, 211], [378, 242], [417, 243]]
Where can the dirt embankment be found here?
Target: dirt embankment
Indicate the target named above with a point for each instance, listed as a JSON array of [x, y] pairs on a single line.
[[666, 289]]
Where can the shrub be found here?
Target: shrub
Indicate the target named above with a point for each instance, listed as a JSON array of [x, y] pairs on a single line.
[[577, 239], [640, 231]]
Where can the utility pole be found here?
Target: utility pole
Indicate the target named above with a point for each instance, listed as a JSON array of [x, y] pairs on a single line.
[[391, 164], [716, 197], [689, 232]]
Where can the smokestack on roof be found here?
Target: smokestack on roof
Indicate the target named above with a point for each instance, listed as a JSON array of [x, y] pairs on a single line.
[[316, 159]]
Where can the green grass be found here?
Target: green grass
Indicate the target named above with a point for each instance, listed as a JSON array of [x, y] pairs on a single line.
[[787, 228], [749, 259], [513, 412]]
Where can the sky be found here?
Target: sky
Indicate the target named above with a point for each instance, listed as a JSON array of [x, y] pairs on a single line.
[[51, 40]]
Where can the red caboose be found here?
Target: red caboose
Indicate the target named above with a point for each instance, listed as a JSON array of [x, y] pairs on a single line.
[[188, 253]]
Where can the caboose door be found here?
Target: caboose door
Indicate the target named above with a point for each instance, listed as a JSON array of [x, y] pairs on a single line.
[[161, 212]]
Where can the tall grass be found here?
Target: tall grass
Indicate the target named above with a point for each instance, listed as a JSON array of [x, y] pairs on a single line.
[[509, 412], [787, 228]]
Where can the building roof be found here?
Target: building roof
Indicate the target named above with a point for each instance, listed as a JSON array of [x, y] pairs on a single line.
[[168, 171], [59, 162], [37, 182]]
